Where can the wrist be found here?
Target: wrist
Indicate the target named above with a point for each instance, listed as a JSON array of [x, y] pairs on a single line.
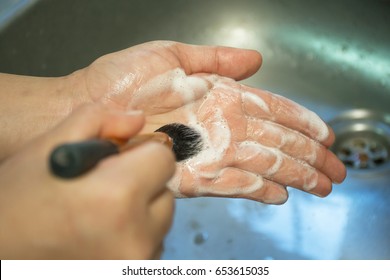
[[30, 106], [76, 90]]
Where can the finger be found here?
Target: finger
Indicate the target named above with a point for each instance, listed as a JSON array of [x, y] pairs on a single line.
[[262, 104], [229, 182], [289, 114], [225, 61], [270, 193], [273, 165], [332, 165], [265, 105], [94, 120], [330, 139], [296, 145], [147, 168]]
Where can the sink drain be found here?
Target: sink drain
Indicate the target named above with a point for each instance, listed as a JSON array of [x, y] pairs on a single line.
[[362, 139]]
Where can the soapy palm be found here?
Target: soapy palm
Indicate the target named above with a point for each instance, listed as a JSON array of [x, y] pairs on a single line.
[[114, 77], [255, 142]]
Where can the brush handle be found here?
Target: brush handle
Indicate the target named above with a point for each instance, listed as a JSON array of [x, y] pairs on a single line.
[[74, 159]]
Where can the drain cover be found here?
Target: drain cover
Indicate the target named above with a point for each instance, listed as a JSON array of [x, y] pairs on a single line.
[[362, 151], [362, 139]]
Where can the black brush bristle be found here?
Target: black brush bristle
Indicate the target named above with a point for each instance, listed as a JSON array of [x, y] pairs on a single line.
[[187, 142]]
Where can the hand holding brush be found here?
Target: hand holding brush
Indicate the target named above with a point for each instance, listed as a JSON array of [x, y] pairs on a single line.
[[74, 159], [120, 209], [254, 143]]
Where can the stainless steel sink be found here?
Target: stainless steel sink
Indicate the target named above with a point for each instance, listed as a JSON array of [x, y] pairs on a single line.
[[330, 56]]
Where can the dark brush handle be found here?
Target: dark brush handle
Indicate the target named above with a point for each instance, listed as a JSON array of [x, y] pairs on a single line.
[[74, 159]]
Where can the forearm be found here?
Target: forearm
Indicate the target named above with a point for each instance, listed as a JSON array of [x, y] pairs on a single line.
[[30, 106]]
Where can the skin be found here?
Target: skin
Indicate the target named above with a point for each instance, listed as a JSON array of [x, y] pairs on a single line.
[[258, 137], [120, 210], [121, 80]]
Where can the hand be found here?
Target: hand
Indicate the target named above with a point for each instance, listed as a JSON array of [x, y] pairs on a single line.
[[256, 142], [119, 210], [115, 78]]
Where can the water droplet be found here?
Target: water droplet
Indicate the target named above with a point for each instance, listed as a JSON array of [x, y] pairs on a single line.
[[200, 238]]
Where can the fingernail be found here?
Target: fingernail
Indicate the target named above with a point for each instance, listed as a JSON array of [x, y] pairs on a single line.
[[277, 199], [322, 191], [341, 177]]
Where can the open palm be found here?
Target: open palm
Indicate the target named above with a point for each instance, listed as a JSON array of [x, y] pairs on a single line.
[[254, 142]]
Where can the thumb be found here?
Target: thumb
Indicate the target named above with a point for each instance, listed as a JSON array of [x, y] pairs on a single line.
[[234, 63]]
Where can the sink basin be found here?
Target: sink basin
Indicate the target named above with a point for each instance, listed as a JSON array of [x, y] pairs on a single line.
[[332, 57]]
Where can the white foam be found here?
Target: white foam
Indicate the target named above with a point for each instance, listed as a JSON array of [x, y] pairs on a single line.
[[245, 95], [216, 133], [293, 137], [215, 144], [258, 149], [248, 96], [314, 122], [187, 86], [234, 191], [277, 164], [174, 84], [310, 181]]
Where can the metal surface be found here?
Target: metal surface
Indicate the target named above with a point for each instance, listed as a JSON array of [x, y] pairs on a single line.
[[10, 9], [330, 56], [363, 139]]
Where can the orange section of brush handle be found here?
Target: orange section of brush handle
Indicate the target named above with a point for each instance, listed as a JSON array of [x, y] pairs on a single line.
[[137, 140]]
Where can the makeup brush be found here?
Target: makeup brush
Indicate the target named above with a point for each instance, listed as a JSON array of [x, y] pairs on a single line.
[[74, 159]]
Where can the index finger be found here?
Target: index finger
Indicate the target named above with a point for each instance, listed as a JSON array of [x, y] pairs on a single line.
[[266, 105]]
